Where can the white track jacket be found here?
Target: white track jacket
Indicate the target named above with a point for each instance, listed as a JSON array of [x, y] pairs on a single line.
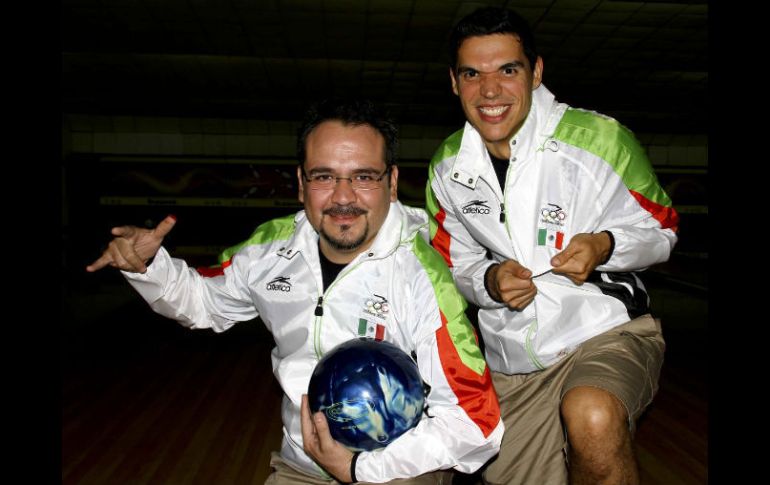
[[276, 275], [571, 171]]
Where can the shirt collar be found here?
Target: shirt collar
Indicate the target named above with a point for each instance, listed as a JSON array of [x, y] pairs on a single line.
[[393, 230], [473, 160]]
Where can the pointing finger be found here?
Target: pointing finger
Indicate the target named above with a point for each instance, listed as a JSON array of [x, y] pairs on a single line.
[[104, 260], [123, 231], [165, 226]]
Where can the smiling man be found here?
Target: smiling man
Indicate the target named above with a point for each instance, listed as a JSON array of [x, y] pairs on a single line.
[[311, 276], [494, 80], [545, 213], [346, 219]]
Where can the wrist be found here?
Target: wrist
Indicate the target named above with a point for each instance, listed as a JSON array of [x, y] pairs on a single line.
[[611, 247], [490, 286], [353, 461]]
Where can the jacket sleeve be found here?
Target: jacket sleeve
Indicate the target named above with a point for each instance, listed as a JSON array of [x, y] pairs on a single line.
[[466, 258], [462, 428], [635, 209], [179, 292], [637, 247]]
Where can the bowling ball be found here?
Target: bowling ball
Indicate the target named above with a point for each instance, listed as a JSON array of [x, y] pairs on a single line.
[[371, 393]]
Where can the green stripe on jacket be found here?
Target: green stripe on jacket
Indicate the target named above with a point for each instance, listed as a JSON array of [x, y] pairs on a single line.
[[452, 305], [276, 229], [448, 148], [614, 143]]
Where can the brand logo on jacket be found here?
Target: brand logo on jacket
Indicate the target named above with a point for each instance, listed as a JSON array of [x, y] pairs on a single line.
[[476, 207], [377, 306], [552, 214], [281, 283]]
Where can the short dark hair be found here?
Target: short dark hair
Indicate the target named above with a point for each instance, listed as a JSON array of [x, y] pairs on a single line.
[[488, 21], [353, 112]]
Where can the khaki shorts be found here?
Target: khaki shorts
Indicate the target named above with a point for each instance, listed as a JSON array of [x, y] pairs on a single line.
[[283, 474], [624, 361]]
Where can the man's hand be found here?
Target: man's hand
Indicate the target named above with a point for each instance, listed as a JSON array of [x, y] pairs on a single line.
[[511, 283], [133, 247], [319, 444], [581, 256]]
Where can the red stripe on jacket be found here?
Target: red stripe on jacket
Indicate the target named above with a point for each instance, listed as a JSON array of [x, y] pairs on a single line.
[[476, 397], [667, 216], [210, 272], [441, 240]]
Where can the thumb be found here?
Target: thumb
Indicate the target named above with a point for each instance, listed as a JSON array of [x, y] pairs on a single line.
[[517, 270], [523, 272], [563, 256], [165, 226], [514, 268]]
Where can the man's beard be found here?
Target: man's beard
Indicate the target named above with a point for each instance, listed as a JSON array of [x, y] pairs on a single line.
[[344, 244]]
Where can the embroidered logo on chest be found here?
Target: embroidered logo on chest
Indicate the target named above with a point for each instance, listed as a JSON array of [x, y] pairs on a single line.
[[476, 207], [552, 214], [375, 308], [279, 283], [553, 217]]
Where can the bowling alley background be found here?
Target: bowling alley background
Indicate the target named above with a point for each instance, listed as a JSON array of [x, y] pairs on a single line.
[[191, 108]]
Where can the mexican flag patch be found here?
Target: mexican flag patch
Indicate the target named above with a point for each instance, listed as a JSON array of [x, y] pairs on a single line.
[[370, 329], [550, 237]]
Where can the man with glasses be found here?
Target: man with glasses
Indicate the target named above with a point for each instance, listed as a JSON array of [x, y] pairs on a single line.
[[312, 276]]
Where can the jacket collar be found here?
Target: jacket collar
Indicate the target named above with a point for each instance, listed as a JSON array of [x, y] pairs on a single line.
[[402, 223], [473, 160]]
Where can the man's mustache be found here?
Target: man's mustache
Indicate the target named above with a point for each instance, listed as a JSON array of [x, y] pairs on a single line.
[[344, 210]]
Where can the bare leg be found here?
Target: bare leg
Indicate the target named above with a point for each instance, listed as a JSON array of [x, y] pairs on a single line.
[[600, 449]]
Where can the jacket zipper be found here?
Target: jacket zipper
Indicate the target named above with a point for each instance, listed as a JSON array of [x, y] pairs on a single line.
[[533, 326], [503, 219], [319, 311]]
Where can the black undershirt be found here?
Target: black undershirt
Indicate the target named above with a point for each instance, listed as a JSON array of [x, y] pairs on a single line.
[[501, 168], [329, 270]]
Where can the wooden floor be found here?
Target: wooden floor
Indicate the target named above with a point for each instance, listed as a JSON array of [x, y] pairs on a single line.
[[145, 401]]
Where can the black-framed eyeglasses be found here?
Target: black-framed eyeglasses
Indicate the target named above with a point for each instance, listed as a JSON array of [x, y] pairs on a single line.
[[359, 181]]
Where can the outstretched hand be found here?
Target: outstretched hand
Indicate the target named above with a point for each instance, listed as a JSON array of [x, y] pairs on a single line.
[[581, 256], [511, 283], [132, 247], [319, 444]]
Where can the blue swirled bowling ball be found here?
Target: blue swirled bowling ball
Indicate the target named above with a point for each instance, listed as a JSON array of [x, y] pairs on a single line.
[[370, 391]]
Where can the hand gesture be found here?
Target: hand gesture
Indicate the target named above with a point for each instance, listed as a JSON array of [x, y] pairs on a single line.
[[132, 247], [581, 256], [320, 445], [511, 283]]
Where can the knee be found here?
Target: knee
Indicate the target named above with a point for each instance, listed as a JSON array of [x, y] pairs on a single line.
[[592, 413]]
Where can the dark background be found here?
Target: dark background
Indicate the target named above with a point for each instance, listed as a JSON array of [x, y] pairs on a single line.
[[151, 87]]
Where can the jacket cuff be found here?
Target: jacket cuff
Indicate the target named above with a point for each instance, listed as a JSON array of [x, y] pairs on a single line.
[[353, 478], [486, 287], [612, 248]]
